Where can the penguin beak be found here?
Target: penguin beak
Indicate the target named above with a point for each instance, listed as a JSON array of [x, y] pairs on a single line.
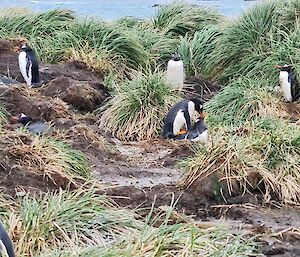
[[202, 115], [277, 66]]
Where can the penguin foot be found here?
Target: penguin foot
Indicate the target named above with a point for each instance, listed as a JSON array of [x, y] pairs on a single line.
[[181, 132], [35, 85]]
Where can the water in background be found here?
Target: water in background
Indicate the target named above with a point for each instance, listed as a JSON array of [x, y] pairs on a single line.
[[113, 9]]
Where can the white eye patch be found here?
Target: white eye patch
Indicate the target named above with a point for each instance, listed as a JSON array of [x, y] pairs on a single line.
[[23, 115], [201, 106]]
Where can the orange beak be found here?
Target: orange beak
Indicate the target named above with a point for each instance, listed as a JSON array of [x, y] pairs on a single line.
[[202, 115], [277, 66]]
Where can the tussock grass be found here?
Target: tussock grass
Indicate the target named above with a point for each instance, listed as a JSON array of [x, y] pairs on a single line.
[[158, 46], [250, 35], [34, 25], [3, 114], [244, 100], [65, 218], [196, 51], [47, 156], [267, 147], [179, 18], [170, 238], [137, 110]]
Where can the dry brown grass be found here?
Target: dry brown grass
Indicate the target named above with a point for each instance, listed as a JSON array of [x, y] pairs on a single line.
[[45, 156], [103, 62], [263, 156]]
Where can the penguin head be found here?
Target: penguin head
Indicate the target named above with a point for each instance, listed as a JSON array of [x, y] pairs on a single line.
[[175, 57], [22, 118], [198, 105], [26, 48], [284, 67]]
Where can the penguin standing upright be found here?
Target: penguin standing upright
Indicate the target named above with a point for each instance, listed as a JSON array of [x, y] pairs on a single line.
[[6, 247], [288, 83], [180, 117], [175, 71], [29, 66]]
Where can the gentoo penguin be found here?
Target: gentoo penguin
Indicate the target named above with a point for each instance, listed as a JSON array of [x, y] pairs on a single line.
[[180, 117], [199, 132], [175, 72], [29, 66], [34, 127], [6, 247], [288, 83]]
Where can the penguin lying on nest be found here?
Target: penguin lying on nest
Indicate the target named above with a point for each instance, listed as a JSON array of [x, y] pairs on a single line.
[[175, 71], [199, 132], [177, 124], [6, 247], [34, 127], [29, 66], [289, 86]]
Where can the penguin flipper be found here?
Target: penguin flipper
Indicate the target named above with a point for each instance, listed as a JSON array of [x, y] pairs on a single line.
[[187, 119], [28, 71]]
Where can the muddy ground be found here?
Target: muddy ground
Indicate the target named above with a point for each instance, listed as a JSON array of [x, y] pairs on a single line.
[[136, 174]]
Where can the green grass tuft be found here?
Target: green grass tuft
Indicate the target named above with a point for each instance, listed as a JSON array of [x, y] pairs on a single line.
[[137, 110], [178, 19]]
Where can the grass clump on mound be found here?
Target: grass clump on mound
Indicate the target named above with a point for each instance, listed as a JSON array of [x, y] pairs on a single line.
[[244, 100], [267, 148], [196, 51], [47, 155], [34, 25], [170, 238], [178, 19], [137, 110], [62, 219]]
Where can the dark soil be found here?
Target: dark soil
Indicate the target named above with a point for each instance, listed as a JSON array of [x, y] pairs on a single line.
[[137, 173], [202, 87]]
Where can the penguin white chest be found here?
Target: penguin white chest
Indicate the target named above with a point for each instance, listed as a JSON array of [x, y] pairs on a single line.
[[202, 138], [191, 109], [25, 68], [285, 85], [179, 122], [175, 73]]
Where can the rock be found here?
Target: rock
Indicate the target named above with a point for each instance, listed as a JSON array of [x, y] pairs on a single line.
[[83, 96], [7, 81]]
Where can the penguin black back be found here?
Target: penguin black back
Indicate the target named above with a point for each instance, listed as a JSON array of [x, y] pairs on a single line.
[[294, 85], [292, 79], [6, 242]]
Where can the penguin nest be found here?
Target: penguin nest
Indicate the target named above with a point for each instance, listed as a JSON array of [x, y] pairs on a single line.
[[262, 156]]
